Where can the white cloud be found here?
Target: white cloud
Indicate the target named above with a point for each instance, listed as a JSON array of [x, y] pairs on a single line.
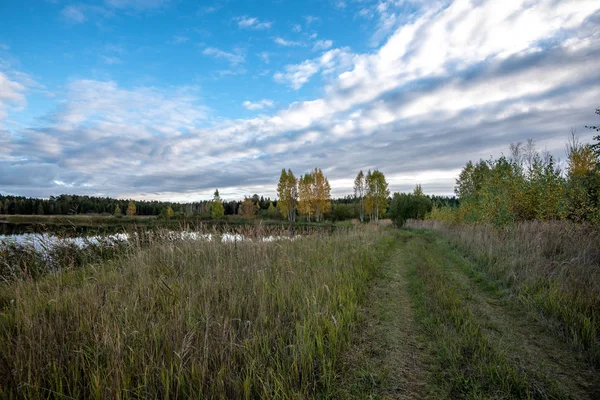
[[233, 58], [140, 110], [322, 45], [137, 4], [80, 13], [265, 57], [450, 84], [73, 14], [110, 60], [297, 28], [13, 87], [258, 105], [311, 19], [287, 43], [179, 39], [246, 22], [365, 13], [298, 74]]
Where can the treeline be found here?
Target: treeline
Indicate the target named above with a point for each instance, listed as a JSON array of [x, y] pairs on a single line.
[[255, 206], [529, 185], [307, 197], [74, 204]]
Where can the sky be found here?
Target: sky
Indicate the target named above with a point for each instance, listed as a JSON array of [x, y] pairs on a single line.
[[170, 99]]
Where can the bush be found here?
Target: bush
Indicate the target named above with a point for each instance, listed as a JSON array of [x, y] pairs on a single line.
[[409, 206]]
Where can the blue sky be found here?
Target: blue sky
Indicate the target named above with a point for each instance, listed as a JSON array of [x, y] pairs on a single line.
[[169, 99]]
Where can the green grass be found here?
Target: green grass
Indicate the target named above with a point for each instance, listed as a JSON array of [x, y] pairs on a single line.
[[77, 219], [552, 268], [190, 320], [472, 360]]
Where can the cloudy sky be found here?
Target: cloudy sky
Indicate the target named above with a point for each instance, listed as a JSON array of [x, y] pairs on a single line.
[[169, 99]]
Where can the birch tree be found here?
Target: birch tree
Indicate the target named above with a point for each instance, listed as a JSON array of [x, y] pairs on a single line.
[[287, 190], [377, 194], [359, 193], [321, 194], [305, 196]]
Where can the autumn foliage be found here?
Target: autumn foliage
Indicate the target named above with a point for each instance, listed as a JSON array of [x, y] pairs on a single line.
[[528, 185]]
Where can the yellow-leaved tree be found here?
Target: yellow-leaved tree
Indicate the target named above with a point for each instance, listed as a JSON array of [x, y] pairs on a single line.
[[321, 194], [376, 200], [248, 209], [305, 196], [131, 210], [314, 195], [287, 190], [359, 193]]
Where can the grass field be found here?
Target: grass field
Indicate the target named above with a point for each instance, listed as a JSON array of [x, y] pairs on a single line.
[[364, 313], [436, 326], [102, 223], [553, 268], [190, 319], [75, 219]]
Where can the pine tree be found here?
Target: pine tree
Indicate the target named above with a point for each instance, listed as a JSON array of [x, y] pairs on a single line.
[[117, 212]]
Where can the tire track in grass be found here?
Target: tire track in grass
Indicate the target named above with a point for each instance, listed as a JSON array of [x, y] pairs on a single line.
[[530, 340], [386, 361], [483, 348]]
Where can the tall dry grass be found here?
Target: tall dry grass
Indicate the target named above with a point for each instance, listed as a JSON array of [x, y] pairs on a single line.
[[190, 319], [553, 267]]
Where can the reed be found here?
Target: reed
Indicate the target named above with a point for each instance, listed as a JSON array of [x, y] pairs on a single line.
[[190, 319]]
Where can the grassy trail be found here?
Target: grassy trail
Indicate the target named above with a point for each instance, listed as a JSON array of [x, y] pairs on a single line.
[[386, 361], [434, 327]]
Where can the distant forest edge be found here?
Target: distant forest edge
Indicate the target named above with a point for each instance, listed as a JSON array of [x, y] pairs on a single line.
[[67, 205], [306, 198]]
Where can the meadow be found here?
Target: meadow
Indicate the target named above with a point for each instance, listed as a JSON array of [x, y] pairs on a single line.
[[434, 310], [181, 319]]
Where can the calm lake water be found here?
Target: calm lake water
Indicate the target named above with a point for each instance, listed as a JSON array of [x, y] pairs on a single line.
[[42, 237]]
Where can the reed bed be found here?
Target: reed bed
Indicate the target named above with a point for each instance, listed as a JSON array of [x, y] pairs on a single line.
[[190, 319]]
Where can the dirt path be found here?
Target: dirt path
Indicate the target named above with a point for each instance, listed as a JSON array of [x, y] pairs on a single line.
[[433, 327], [487, 345], [386, 362]]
